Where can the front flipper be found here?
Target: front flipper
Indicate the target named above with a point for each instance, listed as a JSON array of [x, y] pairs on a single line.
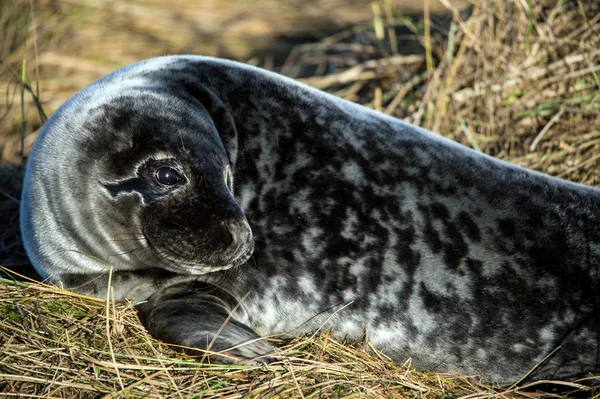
[[199, 315]]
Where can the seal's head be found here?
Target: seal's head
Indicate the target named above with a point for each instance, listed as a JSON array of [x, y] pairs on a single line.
[[134, 175]]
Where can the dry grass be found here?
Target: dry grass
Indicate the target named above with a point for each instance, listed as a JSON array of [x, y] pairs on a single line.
[[519, 79]]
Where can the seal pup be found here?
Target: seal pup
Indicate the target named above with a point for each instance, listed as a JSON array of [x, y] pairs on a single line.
[[234, 203]]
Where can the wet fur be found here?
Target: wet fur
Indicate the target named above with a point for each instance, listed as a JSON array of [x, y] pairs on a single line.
[[358, 222]]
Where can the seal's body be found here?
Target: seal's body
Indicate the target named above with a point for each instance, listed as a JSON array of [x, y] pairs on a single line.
[[214, 189]]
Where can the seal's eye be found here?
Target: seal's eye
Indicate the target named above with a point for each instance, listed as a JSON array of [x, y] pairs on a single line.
[[167, 176]]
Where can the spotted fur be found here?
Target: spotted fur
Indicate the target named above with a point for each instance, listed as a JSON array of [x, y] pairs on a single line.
[[356, 221]]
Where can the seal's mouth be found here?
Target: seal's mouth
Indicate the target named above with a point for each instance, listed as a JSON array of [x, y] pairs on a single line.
[[177, 262]]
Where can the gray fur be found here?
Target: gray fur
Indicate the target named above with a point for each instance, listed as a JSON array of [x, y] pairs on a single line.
[[298, 211]]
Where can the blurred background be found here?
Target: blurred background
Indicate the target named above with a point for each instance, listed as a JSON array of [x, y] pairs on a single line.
[[65, 45], [517, 79]]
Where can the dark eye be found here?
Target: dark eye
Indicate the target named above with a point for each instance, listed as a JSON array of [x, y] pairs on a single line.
[[167, 176]]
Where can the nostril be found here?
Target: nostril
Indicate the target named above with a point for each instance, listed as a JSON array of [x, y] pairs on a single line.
[[232, 233], [238, 229]]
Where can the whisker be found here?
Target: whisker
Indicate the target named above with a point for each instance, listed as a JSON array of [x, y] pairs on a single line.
[[175, 223], [129, 252], [129, 234], [126, 239]]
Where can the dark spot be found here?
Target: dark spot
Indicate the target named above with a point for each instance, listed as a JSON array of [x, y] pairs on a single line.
[[432, 302], [469, 227], [430, 234], [507, 227], [406, 255], [439, 211], [456, 248], [374, 276], [289, 256], [474, 266]]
